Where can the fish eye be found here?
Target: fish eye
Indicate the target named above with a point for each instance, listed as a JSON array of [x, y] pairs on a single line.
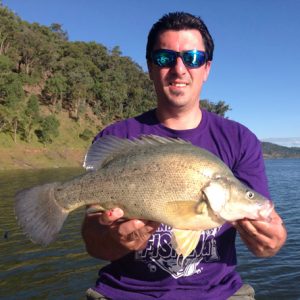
[[250, 194]]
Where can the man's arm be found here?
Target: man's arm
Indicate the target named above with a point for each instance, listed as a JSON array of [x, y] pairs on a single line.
[[108, 237], [263, 238]]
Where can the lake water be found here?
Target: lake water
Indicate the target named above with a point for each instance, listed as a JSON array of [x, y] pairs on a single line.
[[64, 271]]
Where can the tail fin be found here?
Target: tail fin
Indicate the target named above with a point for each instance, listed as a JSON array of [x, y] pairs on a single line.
[[38, 213]]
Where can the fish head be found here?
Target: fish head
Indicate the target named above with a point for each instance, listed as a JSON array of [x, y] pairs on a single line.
[[231, 200], [246, 203]]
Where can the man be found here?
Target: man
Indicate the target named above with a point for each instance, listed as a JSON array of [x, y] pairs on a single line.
[[143, 264]]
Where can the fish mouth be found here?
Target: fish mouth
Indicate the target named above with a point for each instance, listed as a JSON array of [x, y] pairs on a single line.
[[260, 211], [265, 211]]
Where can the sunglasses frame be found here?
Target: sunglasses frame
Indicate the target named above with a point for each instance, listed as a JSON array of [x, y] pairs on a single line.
[[180, 54]]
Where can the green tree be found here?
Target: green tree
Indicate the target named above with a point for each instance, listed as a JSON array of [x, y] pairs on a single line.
[[36, 48], [31, 117], [8, 28], [58, 30], [80, 84], [6, 65], [48, 129], [87, 135], [219, 108], [55, 90], [11, 103]]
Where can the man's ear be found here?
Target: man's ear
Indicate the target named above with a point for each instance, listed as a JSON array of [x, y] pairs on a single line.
[[207, 70]]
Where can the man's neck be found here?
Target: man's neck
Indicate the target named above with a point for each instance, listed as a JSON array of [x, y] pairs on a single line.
[[179, 120]]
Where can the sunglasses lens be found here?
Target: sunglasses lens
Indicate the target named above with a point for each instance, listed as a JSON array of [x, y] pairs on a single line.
[[167, 58], [164, 58], [194, 58]]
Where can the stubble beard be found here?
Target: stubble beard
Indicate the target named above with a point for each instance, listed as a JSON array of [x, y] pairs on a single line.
[[177, 93], [177, 99]]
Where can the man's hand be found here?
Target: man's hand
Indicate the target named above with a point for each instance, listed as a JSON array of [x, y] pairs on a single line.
[[263, 238], [108, 236], [132, 234]]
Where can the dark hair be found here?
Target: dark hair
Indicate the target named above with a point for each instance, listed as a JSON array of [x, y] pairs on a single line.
[[180, 21]]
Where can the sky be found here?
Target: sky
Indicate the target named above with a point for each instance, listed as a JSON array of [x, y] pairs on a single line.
[[256, 63]]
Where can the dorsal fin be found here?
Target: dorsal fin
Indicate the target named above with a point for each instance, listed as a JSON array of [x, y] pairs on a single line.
[[104, 148]]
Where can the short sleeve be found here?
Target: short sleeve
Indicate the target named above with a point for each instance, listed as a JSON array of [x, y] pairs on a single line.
[[250, 168]]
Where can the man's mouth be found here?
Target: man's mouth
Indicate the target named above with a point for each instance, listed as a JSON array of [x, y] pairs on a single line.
[[178, 84]]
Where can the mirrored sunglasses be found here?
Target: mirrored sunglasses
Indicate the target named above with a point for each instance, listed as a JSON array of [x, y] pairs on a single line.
[[165, 58]]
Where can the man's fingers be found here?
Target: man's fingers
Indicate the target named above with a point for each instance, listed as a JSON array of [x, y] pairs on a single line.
[[246, 227], [110, 216], [130, 226], [151, 226], [144, 227], [255, 228], [132, 234]]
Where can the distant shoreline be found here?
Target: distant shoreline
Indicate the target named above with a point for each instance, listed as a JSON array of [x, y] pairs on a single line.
[[276, 151], [270, 157]]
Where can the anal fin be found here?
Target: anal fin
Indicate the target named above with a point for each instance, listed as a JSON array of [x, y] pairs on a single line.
[[185, 241]]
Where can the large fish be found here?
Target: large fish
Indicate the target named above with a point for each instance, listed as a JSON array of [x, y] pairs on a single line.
[[152, 178]]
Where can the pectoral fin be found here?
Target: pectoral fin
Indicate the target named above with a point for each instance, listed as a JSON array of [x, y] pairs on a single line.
[[184, 241], [201, 208]]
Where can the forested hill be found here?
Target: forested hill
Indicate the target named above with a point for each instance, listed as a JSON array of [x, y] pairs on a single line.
[[276, 151], [42, 74]]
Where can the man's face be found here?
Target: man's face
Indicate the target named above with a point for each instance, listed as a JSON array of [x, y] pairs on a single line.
[[178, 86]]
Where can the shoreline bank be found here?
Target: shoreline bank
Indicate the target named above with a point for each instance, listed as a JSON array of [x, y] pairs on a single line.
[[40, 158]]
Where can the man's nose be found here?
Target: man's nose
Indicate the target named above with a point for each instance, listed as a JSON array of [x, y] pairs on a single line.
[[179, 67]]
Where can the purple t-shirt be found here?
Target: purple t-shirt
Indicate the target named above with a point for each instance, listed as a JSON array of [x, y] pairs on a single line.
[[209, 271]]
